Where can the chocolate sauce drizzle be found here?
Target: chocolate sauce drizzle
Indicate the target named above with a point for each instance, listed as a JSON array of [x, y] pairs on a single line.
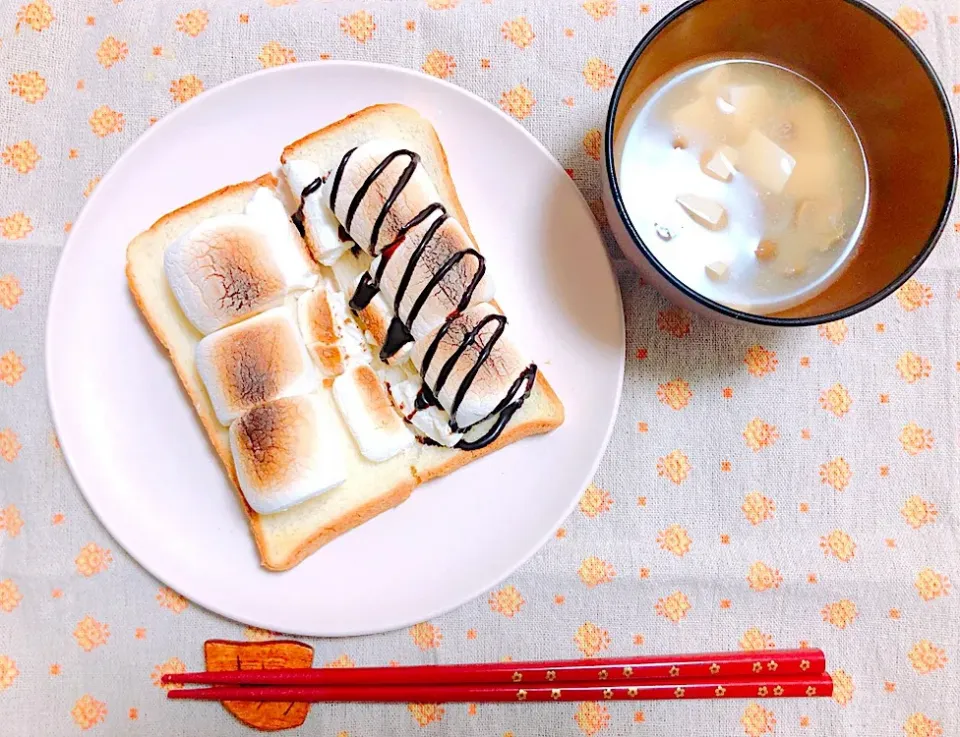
[[399, 330], [297, 217]]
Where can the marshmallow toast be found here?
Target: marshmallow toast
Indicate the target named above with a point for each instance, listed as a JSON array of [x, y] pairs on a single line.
[[319, 449]]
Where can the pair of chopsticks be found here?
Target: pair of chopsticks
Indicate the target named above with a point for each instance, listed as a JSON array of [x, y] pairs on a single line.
[[763, 674]]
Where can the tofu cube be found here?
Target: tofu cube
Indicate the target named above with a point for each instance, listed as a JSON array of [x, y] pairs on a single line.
[[704, 211], [717, 271], [721, 164], [765, 162]]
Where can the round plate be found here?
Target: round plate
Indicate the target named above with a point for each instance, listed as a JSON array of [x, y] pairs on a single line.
[[138, 452]]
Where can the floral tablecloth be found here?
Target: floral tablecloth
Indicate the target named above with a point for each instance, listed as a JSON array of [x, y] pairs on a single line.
[[762, 489]]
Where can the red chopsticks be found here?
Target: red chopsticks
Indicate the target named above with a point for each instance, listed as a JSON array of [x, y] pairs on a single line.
[[678, 688], [771, 673]]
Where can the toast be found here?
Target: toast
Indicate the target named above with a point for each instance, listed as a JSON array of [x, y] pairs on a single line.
[[286, 537]]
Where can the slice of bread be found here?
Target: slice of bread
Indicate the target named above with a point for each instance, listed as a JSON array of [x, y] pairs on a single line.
[[286, 538]]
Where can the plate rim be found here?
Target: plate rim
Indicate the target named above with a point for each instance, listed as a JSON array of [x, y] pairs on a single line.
[[57, 288]]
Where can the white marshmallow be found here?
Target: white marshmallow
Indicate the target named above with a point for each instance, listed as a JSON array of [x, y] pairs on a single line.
[[230, 267], [333, 338], [258, 360], [380, 433], [287, 451], [321, 226], [434, 422]]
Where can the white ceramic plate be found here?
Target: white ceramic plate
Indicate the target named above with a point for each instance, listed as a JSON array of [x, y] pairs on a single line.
[[137, 450]]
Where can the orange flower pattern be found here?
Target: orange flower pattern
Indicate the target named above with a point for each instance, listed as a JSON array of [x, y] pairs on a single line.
[[594, 571], [838, 544], [8, 672], [674, 466], [16, 226], [595, 501], [22, 157], [186, 87], [757, 508], [591, 639], [835, 332], [912, 367], [836, 473], [918, 512], [359, 26], [170, 599], [925, 657], [425, 636], [37, 14], [597, 74], [439, 64], [91, 634], [675, 394], [87, 712], [104, 121], [10, 291], [11, 521], [839, 613], [754, 639], [173, 665], [762, 577], [506, 601], [93, 560], [836, 400], [759, 361], [518, 102], [673, 607], [674, 539], [591, 717], [193, 22], [274, 55], [518, 32], [29, 86], [111, 51], [424, 714], [10, 596], [802, 403], [758, 434], [931, 585], [9, 445], [915, 439], [11, 368]]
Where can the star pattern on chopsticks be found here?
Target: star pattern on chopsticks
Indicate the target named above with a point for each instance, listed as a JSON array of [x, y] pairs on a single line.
[[804, 665], [772, 665], [521, 695], [517, 676], [811, 691], [551, 675], [674, 671], [778, 691], [757, 667], [555, 693], [714, 669], [720, 691], [762, 691], [632, 691], [602, 675], [679, 692], [608, 693], [628, 671]]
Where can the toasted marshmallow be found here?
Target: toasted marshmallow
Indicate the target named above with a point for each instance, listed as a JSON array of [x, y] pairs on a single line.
[[433, 422], [447, 239], [258, 360], [320, 226], [362, 398], [286, 452], [339, 192], [493, 380], [332, 337], [230, 267]]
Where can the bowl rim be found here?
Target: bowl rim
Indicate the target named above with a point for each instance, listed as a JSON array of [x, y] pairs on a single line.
[[730, 312]]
